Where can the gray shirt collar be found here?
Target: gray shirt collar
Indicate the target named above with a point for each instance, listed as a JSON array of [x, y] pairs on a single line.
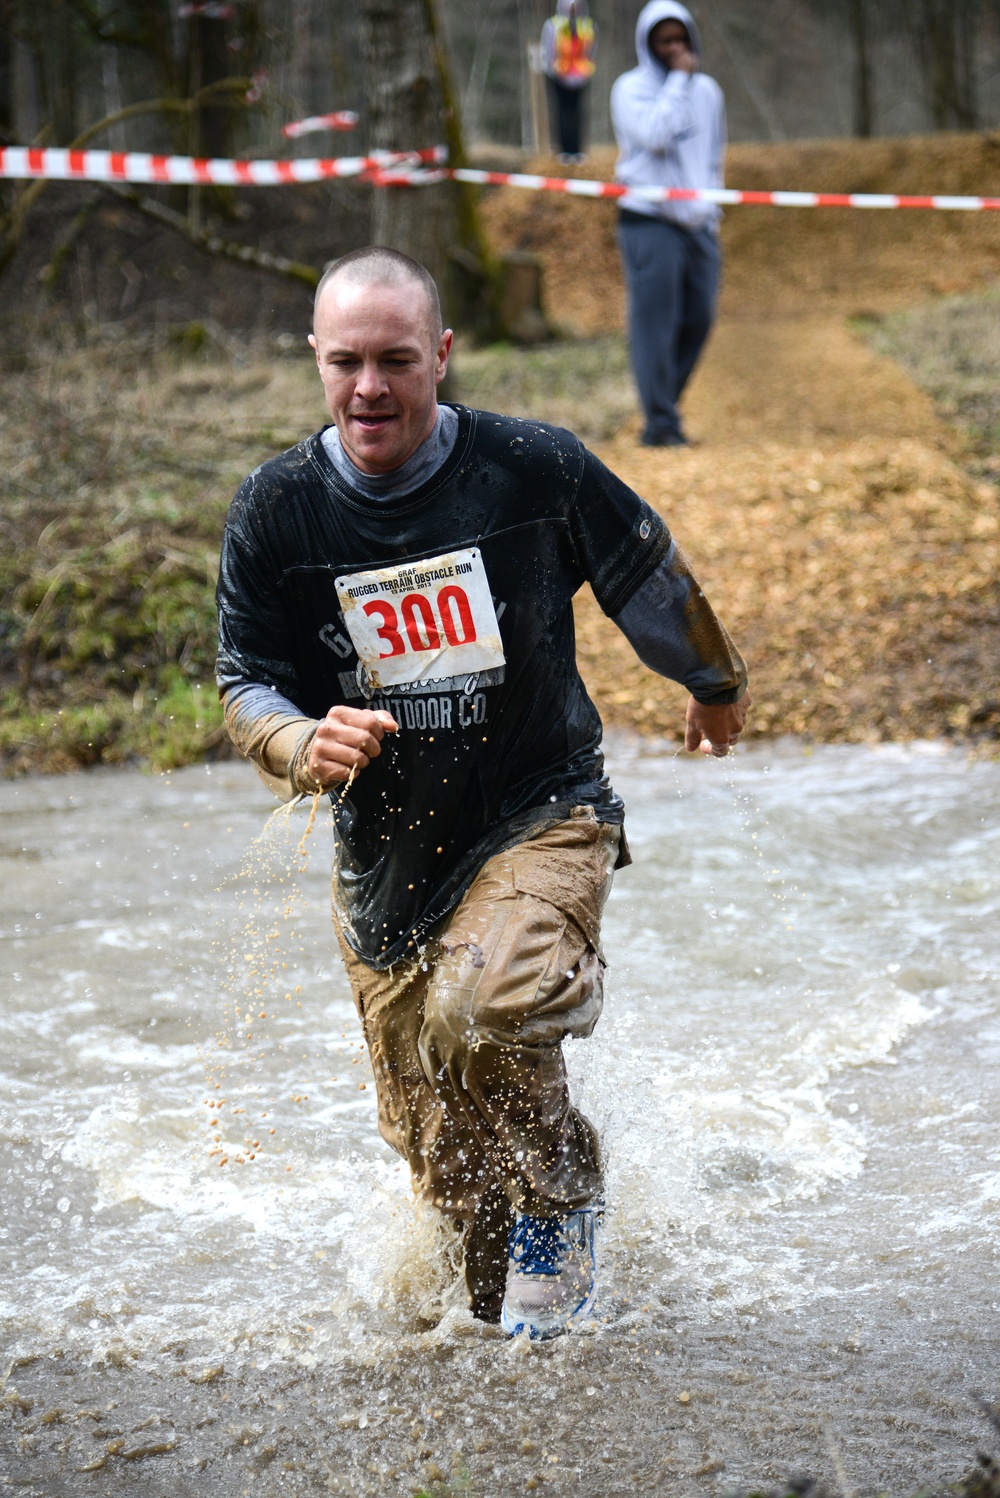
[[418, 468]]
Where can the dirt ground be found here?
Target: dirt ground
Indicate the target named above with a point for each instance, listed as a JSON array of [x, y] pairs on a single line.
[[841, 528]]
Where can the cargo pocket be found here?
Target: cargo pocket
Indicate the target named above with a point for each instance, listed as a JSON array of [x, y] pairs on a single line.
[[569, 994], [574, 876]]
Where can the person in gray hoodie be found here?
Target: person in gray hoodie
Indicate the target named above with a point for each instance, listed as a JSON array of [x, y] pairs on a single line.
[[670, 123]]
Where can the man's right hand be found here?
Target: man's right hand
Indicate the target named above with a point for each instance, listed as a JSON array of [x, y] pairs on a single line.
[[346, 741]]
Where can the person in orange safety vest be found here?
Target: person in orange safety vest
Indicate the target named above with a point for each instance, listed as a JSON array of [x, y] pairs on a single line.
[[569, 43]]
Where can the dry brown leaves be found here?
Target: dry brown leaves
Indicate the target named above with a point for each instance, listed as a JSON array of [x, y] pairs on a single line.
[[860, 582], [826, 511]]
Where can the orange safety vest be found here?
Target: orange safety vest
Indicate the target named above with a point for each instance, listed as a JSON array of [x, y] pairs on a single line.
[[574, 39]]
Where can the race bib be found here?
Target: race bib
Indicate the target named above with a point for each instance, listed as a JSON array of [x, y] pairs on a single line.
[[422, 621]]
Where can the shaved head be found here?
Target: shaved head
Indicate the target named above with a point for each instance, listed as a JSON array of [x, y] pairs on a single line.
[[376, 265], [381, 353]]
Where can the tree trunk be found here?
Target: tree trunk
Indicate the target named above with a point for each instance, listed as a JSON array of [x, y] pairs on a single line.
[[967, 26], [56, 38], [208, 64], [43, 80], [411, 106], [6, 72], [863, 93], [158, 42], [946, 42]]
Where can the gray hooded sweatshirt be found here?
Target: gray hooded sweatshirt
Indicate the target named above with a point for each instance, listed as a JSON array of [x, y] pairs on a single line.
[[670, 126]]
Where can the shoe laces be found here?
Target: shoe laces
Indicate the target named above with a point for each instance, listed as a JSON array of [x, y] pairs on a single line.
[[537, 1245]]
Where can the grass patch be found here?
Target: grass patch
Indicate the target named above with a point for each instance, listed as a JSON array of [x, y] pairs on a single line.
[[180, 722], [951, 348], [116, 469], [584, 385]]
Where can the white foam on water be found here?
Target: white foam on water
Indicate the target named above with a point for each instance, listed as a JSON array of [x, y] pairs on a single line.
[[105, 1047], [730, 1107], [786, 933], [253, 1256], [698, 1145]]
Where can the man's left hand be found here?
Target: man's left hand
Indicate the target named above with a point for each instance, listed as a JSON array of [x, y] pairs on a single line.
[[714, 730]]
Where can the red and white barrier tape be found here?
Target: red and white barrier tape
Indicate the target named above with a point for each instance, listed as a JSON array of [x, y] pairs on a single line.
[[341, 119], [409, 169], [579, 187], [137, 166]]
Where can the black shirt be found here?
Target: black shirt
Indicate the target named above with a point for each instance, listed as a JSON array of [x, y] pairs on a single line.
[[483, 758]]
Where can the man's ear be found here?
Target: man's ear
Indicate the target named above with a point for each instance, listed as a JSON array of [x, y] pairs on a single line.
[[443, 352]]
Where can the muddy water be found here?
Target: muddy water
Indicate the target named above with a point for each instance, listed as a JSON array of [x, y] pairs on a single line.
[[211, 1275]]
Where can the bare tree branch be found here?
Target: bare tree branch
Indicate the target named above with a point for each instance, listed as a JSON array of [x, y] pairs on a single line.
[[12, 224], [212, 244]]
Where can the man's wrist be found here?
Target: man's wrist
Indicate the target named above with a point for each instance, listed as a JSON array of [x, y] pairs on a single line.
[[726, 698], [301, 777]]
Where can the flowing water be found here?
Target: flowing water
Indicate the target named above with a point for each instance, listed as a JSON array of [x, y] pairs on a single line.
[[212, 1278]]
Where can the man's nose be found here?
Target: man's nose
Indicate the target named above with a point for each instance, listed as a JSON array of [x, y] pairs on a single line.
[[371, 382]]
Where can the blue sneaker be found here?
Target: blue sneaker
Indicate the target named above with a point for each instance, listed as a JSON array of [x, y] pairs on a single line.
[[551, 1273]]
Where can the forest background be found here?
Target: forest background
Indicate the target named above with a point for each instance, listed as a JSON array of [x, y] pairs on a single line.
[[841, 506], [790, 69]]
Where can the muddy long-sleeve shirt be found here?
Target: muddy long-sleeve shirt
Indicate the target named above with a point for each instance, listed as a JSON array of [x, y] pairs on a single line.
[[450, 606]]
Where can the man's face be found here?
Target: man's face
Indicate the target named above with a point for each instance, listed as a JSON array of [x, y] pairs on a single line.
[[667, 41], [380, 363]]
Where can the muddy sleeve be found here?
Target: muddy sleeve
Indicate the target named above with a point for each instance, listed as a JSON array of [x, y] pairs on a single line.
[[272, 734], [673, 629]]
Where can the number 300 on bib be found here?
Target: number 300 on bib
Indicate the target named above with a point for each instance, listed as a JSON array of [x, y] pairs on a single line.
[[422, 621]]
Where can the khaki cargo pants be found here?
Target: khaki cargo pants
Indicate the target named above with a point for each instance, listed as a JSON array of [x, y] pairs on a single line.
[[466, 1042]]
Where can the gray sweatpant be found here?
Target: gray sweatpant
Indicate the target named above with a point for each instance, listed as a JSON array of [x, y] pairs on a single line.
[[672, 279]]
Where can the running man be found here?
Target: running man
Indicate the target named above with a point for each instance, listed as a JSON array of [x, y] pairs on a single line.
[[396, 627]]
